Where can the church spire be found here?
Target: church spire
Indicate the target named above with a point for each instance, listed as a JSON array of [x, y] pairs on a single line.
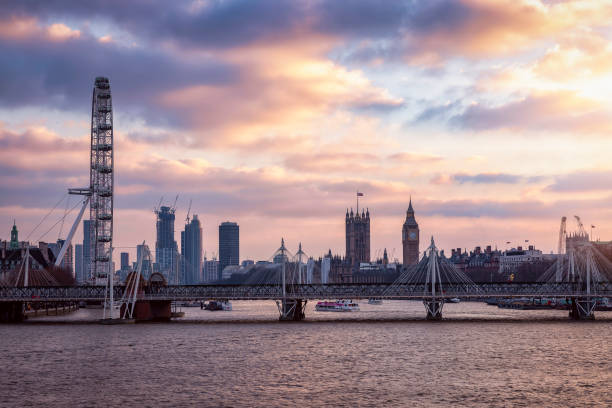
[[14, 236]]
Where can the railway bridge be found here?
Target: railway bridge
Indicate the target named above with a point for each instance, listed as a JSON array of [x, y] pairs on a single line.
[[292, 300], [581, 278]]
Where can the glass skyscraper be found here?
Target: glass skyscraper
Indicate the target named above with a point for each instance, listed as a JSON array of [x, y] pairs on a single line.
[[191, 251], [229, 245], [166, 250], [87, 235]]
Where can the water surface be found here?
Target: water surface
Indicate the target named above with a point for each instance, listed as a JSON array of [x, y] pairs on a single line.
[[385, 355]]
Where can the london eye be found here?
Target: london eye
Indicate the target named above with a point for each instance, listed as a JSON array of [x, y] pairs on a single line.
[[101, 177]]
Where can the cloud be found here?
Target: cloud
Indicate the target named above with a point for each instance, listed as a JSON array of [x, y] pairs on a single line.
[[38, 138], [487, 178], [484, 178], [563, 111], [406, 157], [281, 87], [508, 209], [435, 112], [28, 28], [336, 162], [61, 32], [583, 181], [39, 71], [331, 160]]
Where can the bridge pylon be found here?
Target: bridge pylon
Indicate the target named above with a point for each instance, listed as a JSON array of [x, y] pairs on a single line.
[[290, 308], [582, 309], [435, 301], [586, 270]]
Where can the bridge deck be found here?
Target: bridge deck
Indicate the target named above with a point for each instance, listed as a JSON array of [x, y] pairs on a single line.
[[306, 292]]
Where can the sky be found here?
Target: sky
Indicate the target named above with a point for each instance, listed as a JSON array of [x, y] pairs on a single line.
[[494, 116]]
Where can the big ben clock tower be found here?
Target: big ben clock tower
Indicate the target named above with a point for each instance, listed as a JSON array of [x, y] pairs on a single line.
[[410, 238]]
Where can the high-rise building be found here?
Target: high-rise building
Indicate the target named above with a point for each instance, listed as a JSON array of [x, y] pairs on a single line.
[[125, 266], [357, 237], [166, 250], [68, 259], [229, 245], [410, 238], [78, 263], [210, 270], [87, 239], [125, 260], [191, 251]]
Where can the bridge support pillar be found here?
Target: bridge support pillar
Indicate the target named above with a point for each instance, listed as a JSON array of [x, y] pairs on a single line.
[[582, 309], [11, 312], [291, 309], [150, 310], [433, 309]]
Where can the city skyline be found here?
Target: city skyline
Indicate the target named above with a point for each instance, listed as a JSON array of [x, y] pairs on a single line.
[[485, 120]]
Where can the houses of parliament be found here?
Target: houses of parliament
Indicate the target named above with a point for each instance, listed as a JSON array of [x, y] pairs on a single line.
[[358, 237]]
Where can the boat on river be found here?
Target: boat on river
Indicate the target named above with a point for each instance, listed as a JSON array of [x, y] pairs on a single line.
[[215, 305], [337, 306]]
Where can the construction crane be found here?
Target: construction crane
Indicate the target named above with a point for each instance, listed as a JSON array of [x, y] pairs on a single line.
[[156, 209], [188, 211], [580, 226], [561, 249], [173, 208]]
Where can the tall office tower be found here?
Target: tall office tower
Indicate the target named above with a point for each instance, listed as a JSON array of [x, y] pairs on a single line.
[[229, 245], [87, 234], [125, 266], [125, 261], [210, 270], [78, 263], [67, 261], [357, 237], [191, 251], [166, 250], [410, 238]]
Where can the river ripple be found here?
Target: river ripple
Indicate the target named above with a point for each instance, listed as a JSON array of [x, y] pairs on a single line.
[[479, 356]]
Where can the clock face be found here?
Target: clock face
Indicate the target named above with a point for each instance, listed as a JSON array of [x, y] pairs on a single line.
[[412, 235]]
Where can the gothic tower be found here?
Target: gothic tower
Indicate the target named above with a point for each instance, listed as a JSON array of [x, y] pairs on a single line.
[[14, 237], [357, 237], [410, 238]]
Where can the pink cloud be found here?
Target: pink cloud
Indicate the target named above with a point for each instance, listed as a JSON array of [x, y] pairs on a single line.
[[27, 28]]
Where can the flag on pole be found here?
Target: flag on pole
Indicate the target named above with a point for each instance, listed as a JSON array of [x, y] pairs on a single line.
[[508, 242], [359, 194], [592, 226]]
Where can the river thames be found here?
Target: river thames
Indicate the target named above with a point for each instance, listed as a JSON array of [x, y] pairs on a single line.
[[385, 355]]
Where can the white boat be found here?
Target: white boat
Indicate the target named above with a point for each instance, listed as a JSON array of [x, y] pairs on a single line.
[[214, 305], [374, 301], [454, 300], [337, 306]]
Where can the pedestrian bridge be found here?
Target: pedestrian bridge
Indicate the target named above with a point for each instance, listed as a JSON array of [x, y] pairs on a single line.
[[414, 291], [582, 279]]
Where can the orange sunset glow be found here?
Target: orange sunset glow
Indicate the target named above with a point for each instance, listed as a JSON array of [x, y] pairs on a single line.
[[492, 115]]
